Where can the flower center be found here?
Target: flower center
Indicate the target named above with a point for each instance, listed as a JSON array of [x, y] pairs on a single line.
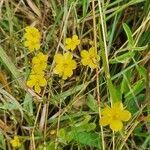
[[65, 65], [93, 59], [115, 116]]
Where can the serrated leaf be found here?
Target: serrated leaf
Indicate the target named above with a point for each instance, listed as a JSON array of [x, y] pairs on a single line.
[[87, 139], [64, 136]]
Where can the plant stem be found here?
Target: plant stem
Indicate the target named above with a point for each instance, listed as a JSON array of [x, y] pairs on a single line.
[[103, 45], [97, 72], [113, 140]]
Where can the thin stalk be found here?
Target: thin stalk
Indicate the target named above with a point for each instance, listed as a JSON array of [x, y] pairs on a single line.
[[97, 72], [58, 121], [32, 134], [113, 140], [103, 45], [129, 133]]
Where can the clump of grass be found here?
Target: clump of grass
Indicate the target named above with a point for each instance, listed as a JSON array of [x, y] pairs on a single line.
[[65, 112]]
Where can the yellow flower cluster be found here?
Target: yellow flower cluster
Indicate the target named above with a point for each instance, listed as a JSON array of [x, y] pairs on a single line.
[[89, 58], [36, 78], [113, 116], [65, 64], [32, 38], [72, 43], [15, 142]]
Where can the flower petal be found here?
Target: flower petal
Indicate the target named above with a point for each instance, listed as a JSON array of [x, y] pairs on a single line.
[[58, 58], [67, 56], [42, 82], [73, 46], [116, 125], [74, 37], [106, 111], [30, 83], [92, 65], [85, 62], [35, 60], [84, 54], [68, 72], [118, 106], [58, 69], [125, 115], [92, 52], [37, 88], [104, 121], [73, 64], [68, 40]]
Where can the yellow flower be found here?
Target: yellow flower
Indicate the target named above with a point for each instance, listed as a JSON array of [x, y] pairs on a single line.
[[36, 80], [89, 58], [39, 62], [114, 116], [72, 43], [64, 65], [32, 38], [15, 142], [32, 44], [32, 33]]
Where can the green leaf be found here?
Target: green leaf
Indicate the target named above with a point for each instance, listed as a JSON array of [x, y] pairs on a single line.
[[132, 104], [85, 127], [28, 103], [139, 48], [10, 102], [122, 58], [2, 142], [64, 136], [88, 127], [11, 67], [113, 92], [69, 92], [142, 71], [136, 89], [92, 103], [129, 35], [124, 86], [87, 139], [85, 3], [51, 146]]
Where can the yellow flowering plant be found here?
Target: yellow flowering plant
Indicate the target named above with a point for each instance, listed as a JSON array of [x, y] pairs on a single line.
[[64, 65], [89, 58], [114, 116], [72, 43], [39, 62], [15, 142], [36, 80], [32, 38]]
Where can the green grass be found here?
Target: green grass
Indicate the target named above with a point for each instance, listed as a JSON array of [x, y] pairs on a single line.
[[65, 115]]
